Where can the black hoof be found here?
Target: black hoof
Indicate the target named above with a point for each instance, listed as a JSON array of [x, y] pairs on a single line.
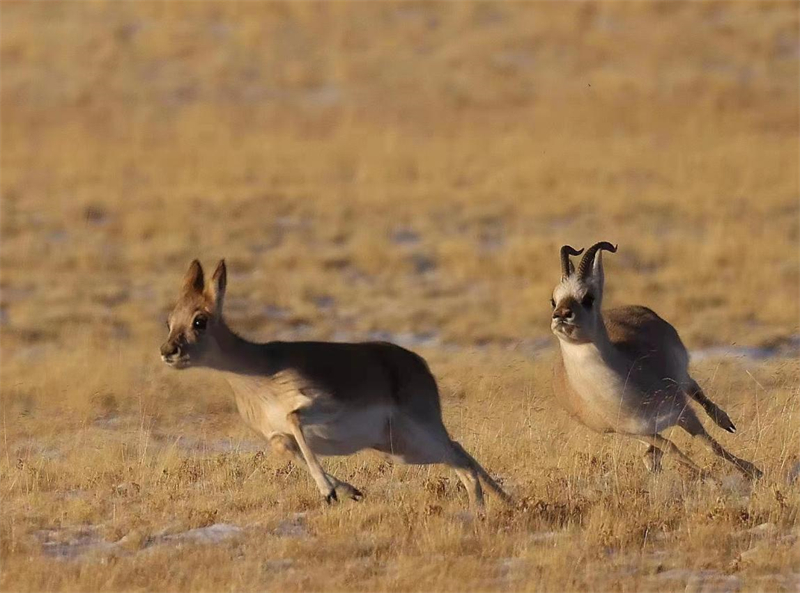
[[356, 494]]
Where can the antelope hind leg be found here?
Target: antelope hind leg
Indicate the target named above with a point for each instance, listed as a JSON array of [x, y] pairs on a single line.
[[666, 446], [692, 425], [652, 459], [419, 444]]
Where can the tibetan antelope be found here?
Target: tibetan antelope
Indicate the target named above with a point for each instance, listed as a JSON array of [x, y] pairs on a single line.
[[625, 370], [320, 398]]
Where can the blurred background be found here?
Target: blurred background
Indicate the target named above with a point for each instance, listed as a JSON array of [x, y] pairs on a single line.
[[397, 171], [409, 169], [389, 171]]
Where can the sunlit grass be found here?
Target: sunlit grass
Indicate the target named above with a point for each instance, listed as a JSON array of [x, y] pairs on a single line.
[[405, 171]]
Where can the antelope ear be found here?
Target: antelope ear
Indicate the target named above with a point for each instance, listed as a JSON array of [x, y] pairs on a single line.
[[598, 276], [219, 281], [194, 281]]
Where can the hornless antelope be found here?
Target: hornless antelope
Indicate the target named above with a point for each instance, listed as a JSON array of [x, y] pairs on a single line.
[[626, 370], [320, 398]]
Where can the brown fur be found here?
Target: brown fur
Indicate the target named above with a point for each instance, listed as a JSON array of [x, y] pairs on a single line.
[[310, 398], [626, 370]]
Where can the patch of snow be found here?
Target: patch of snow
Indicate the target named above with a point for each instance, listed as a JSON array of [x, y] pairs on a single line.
[[292, 527], [86, 541], [405, 338], [278, 564], [60, 545], [213, 534], [545, 536], [404, 236], [218, 446], [788, 349]]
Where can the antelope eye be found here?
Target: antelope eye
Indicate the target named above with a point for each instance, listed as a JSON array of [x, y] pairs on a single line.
[[200, 322], [588, 301], [553, 303]]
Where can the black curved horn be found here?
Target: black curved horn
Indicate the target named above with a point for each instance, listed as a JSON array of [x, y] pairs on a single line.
[[588, 260], [566, 265]]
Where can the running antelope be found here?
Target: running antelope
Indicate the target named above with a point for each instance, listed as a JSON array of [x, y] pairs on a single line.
[[320, 398], [626, 370]]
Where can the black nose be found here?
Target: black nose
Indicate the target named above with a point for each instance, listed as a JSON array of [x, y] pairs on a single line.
[[169, 349], [564, 313]]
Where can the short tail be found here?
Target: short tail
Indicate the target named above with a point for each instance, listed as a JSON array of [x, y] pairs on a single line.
[[717, 414], [484, 476]]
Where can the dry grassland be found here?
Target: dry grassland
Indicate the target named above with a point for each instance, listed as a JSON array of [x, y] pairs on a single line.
[[402, 171]]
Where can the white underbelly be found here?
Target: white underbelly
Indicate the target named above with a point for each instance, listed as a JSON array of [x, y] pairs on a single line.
[[609, 399], [329, 426], [345, 431]]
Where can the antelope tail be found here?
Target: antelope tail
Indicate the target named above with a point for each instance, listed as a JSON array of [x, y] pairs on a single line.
[[717, 414]]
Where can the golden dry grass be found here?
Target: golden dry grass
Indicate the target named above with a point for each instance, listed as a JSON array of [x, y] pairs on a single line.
[[407, 170]]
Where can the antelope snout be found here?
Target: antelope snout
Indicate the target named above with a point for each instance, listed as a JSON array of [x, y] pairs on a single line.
[[564, 313], [169, 351]]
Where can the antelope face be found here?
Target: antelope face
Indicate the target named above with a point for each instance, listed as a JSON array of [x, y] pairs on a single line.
[[573, 311], [577, 298], [193, 322]]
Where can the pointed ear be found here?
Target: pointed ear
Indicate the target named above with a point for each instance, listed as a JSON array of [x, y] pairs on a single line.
[[194, 281], [216, 289], [598, 276]]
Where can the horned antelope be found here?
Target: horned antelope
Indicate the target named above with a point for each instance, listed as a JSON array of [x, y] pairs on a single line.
[[320, 398], [625, 370]]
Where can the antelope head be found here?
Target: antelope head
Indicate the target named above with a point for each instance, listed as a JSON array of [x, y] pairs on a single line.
[[196, 321], [577, 298]]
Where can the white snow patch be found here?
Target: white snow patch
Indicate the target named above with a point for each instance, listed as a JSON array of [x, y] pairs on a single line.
[[292, 527], [213, 534]]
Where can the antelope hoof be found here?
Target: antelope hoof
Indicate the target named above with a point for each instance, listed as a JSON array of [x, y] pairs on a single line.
[[707, 477], [754, 473], [652, 464], [331, 497], [346, 490], [354, 493], [652, 459]]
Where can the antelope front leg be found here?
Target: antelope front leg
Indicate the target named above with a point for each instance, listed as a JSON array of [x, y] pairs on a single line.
[[656, 441], [324, 484], [287, 445]]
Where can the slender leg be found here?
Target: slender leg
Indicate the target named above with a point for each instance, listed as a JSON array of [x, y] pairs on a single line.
[[692, 425], [469, 477], [747, 468], [419, 444], [324, 484], [484, 475], [666, 446], [652, 459], [285, 444], [716, 413]]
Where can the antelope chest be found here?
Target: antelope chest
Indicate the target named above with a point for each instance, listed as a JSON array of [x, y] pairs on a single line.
[[264, 404], [600, 396]]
